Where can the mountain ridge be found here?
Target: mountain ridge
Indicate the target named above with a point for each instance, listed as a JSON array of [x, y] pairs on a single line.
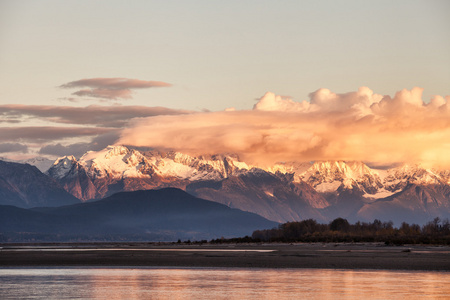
[[290, 191], [23, 185], [166, 214]]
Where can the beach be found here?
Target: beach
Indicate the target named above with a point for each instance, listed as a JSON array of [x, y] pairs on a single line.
[[301, 255]]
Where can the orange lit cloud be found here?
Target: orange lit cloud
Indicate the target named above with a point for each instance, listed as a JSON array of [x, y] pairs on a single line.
[[359, 125], [111, 88]]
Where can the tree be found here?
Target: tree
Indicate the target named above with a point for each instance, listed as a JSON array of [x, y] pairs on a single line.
[[339, 224]]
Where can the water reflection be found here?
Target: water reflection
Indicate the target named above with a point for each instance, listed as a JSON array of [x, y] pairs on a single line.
[[126, 283]]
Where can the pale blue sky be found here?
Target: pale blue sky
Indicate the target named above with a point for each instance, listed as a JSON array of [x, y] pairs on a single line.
[[220, 54]]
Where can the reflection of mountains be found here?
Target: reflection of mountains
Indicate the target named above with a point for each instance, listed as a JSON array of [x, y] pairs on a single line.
[[166, 214]]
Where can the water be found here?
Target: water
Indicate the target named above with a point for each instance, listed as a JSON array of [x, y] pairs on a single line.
[[217, 283]]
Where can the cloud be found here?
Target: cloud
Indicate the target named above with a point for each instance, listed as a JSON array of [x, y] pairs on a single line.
[[322, 100], [78, 149], [39, 134], [272, 102], [76, 124], [13, 147], [106, 116], [359, 125], [60, 150], [111, 88], [104, 93], [115, 83]]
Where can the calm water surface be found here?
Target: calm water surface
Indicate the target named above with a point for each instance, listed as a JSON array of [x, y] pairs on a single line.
[[217, 283]]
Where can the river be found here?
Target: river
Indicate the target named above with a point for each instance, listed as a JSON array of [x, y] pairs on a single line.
[[219, 283]]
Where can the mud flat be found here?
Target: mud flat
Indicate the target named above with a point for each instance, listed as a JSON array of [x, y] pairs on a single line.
[[328, 256]]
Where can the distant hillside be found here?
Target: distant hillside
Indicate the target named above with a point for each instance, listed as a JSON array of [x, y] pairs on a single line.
[[25, 186], [166, 214]]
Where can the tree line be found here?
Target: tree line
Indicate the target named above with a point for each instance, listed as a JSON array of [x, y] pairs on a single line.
[[340, 230]]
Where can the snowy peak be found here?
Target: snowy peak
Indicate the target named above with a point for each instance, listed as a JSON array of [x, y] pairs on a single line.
[[296, 168], [398, 178], [340, 169], [183, 166], [42, 163], [108, 153], [329, 176], [62, 166], [119, 162], [360, 169], [116, 162]]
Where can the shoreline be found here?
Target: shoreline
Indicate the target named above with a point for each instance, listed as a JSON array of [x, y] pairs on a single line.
[[365, 256]]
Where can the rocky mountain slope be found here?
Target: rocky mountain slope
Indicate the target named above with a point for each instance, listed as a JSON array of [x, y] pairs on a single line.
[[414, 204], [25, 186], [271, 196]]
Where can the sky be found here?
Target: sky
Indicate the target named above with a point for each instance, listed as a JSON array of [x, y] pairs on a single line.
[[269, 80]]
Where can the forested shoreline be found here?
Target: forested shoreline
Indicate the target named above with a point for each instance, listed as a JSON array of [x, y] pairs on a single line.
[[340, 230]]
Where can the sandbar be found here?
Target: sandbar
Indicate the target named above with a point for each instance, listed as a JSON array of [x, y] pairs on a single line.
[[296, 255]]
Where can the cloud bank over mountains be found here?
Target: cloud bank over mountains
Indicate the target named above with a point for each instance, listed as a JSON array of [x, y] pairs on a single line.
[[354, 126], [360, 125]]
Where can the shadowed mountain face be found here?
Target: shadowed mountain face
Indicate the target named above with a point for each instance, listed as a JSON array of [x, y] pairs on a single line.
[[266, 194], [415, 204], [166, 214], [25, 186]]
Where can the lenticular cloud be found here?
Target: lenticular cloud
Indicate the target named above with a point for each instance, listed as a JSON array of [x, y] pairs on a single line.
[[359, 125], [111, 88]]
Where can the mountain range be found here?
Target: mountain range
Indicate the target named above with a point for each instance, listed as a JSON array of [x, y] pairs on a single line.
[[283, 192]]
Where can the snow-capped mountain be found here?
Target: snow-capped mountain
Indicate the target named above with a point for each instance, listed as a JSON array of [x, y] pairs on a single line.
[[214, 167], [328, 176], [117, 168], [318, 190], [398, 178], [61, 167], [42, 163], [335, 176]]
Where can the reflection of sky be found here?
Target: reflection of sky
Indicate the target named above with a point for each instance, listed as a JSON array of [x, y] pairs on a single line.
[[222, 284]]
